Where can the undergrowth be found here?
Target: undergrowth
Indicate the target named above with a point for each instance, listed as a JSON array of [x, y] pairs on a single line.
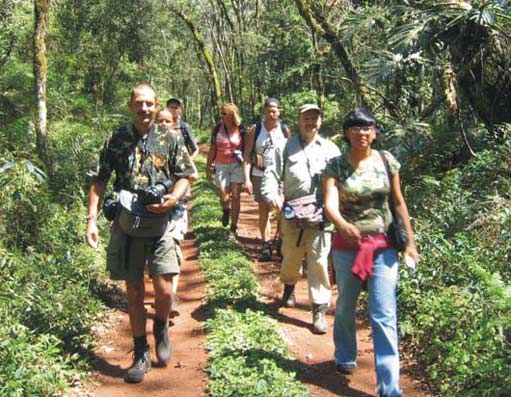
[[247, 355]]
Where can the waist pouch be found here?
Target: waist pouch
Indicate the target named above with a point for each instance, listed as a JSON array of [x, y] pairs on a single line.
[[305, 209], [136, 221]]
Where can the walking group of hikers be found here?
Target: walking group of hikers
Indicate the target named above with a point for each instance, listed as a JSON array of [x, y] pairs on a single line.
[[344, 208]]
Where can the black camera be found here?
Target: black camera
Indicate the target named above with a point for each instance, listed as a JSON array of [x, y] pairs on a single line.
[[154, 194], [110, 208]]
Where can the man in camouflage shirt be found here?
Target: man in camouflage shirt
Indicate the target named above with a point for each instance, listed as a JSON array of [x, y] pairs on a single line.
[[142, 154]]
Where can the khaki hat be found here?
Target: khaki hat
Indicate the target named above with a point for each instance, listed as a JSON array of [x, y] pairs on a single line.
[[310, 106]]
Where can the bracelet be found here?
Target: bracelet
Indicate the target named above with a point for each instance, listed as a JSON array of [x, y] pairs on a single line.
[[90, 217]]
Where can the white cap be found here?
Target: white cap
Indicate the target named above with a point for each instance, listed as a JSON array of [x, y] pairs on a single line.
[[309, 106]]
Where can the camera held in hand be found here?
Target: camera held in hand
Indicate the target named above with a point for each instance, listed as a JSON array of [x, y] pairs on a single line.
[[110, 208], [238, 155], [154, 194]]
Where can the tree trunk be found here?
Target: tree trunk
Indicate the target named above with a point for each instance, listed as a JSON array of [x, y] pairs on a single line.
[[320, 26], [208, 58], [41, 9]]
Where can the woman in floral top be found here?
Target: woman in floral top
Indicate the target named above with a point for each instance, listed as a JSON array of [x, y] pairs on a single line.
[[357, 190]]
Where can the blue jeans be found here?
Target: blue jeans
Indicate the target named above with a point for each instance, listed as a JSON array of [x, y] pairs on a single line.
[[382, 287]]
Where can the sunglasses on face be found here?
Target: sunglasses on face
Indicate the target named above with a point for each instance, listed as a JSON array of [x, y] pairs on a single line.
[[361, 130]]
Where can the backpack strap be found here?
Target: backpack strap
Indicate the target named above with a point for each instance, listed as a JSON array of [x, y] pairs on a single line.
[[187, 136], [285, 130], [216, 128]]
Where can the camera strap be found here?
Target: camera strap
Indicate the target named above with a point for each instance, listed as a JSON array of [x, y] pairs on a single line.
[[226, 132]]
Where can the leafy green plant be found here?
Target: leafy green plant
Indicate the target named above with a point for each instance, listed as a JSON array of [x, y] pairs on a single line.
[[247, 356]]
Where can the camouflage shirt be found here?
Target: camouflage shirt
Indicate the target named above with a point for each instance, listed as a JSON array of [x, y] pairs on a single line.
[[364, 193], [139, 162]]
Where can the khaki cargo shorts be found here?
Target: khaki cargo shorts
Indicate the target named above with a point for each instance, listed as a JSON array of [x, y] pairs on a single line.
[[127, 256]]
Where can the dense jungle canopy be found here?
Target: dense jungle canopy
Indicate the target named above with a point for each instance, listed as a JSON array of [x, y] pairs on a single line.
[[436, 73]]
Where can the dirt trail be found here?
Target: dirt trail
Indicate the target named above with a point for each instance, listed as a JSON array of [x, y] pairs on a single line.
[[314, 352], [184, 376]]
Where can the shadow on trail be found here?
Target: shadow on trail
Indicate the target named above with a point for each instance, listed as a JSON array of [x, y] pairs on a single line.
[[107, 369], [111, 295], [324, 376]]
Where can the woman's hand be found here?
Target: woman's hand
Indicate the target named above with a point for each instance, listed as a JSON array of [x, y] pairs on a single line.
[[411, 250], [249, 187], [350, 233]]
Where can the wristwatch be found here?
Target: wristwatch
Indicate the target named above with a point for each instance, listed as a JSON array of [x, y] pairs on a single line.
[[90, 217]]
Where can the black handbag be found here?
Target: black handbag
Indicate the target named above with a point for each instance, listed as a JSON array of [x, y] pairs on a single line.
[[396, 232]]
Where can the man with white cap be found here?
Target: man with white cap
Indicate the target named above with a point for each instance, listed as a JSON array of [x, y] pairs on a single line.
[[299, 166]]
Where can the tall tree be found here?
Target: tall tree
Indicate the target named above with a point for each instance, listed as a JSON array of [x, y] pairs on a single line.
[[208, 58], [42, 10], [311, 11]]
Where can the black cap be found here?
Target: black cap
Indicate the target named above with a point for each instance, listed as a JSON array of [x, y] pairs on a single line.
[[272, 102], [174, 100]]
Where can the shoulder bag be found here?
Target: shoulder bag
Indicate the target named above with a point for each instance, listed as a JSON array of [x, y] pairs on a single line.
[[396, 232]]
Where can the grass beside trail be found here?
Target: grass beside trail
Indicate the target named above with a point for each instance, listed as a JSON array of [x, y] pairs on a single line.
[[247, 355]]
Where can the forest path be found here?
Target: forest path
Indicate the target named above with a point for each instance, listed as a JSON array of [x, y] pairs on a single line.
[[314, 352], [185, 377]]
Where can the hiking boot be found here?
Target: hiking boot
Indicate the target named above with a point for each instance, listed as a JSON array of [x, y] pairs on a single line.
[[319, 325], [288, 297], [141, 365], [174, 310], [344, 369], [162, 341], [266, 254], [225, 216]]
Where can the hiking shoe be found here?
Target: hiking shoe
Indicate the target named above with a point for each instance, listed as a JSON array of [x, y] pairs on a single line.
[[141, 365], [174, 309], [288, 297], [344, 369], [225, 216], [319, 325], [266, 254], [162, 341]]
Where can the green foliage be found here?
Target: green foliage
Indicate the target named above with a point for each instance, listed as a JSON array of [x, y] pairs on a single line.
[[454, 313], [247, 356], [32, 365], [73, 150], [23, 202]]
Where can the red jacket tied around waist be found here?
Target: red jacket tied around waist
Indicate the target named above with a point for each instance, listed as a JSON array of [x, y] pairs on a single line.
[[365, 247]]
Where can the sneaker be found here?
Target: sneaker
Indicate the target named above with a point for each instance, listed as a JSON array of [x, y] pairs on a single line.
[[319, 325], [344, 369], [174, 309], [141, 365], [288, 297], [162, 341], [266, 254], [225, 216]]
